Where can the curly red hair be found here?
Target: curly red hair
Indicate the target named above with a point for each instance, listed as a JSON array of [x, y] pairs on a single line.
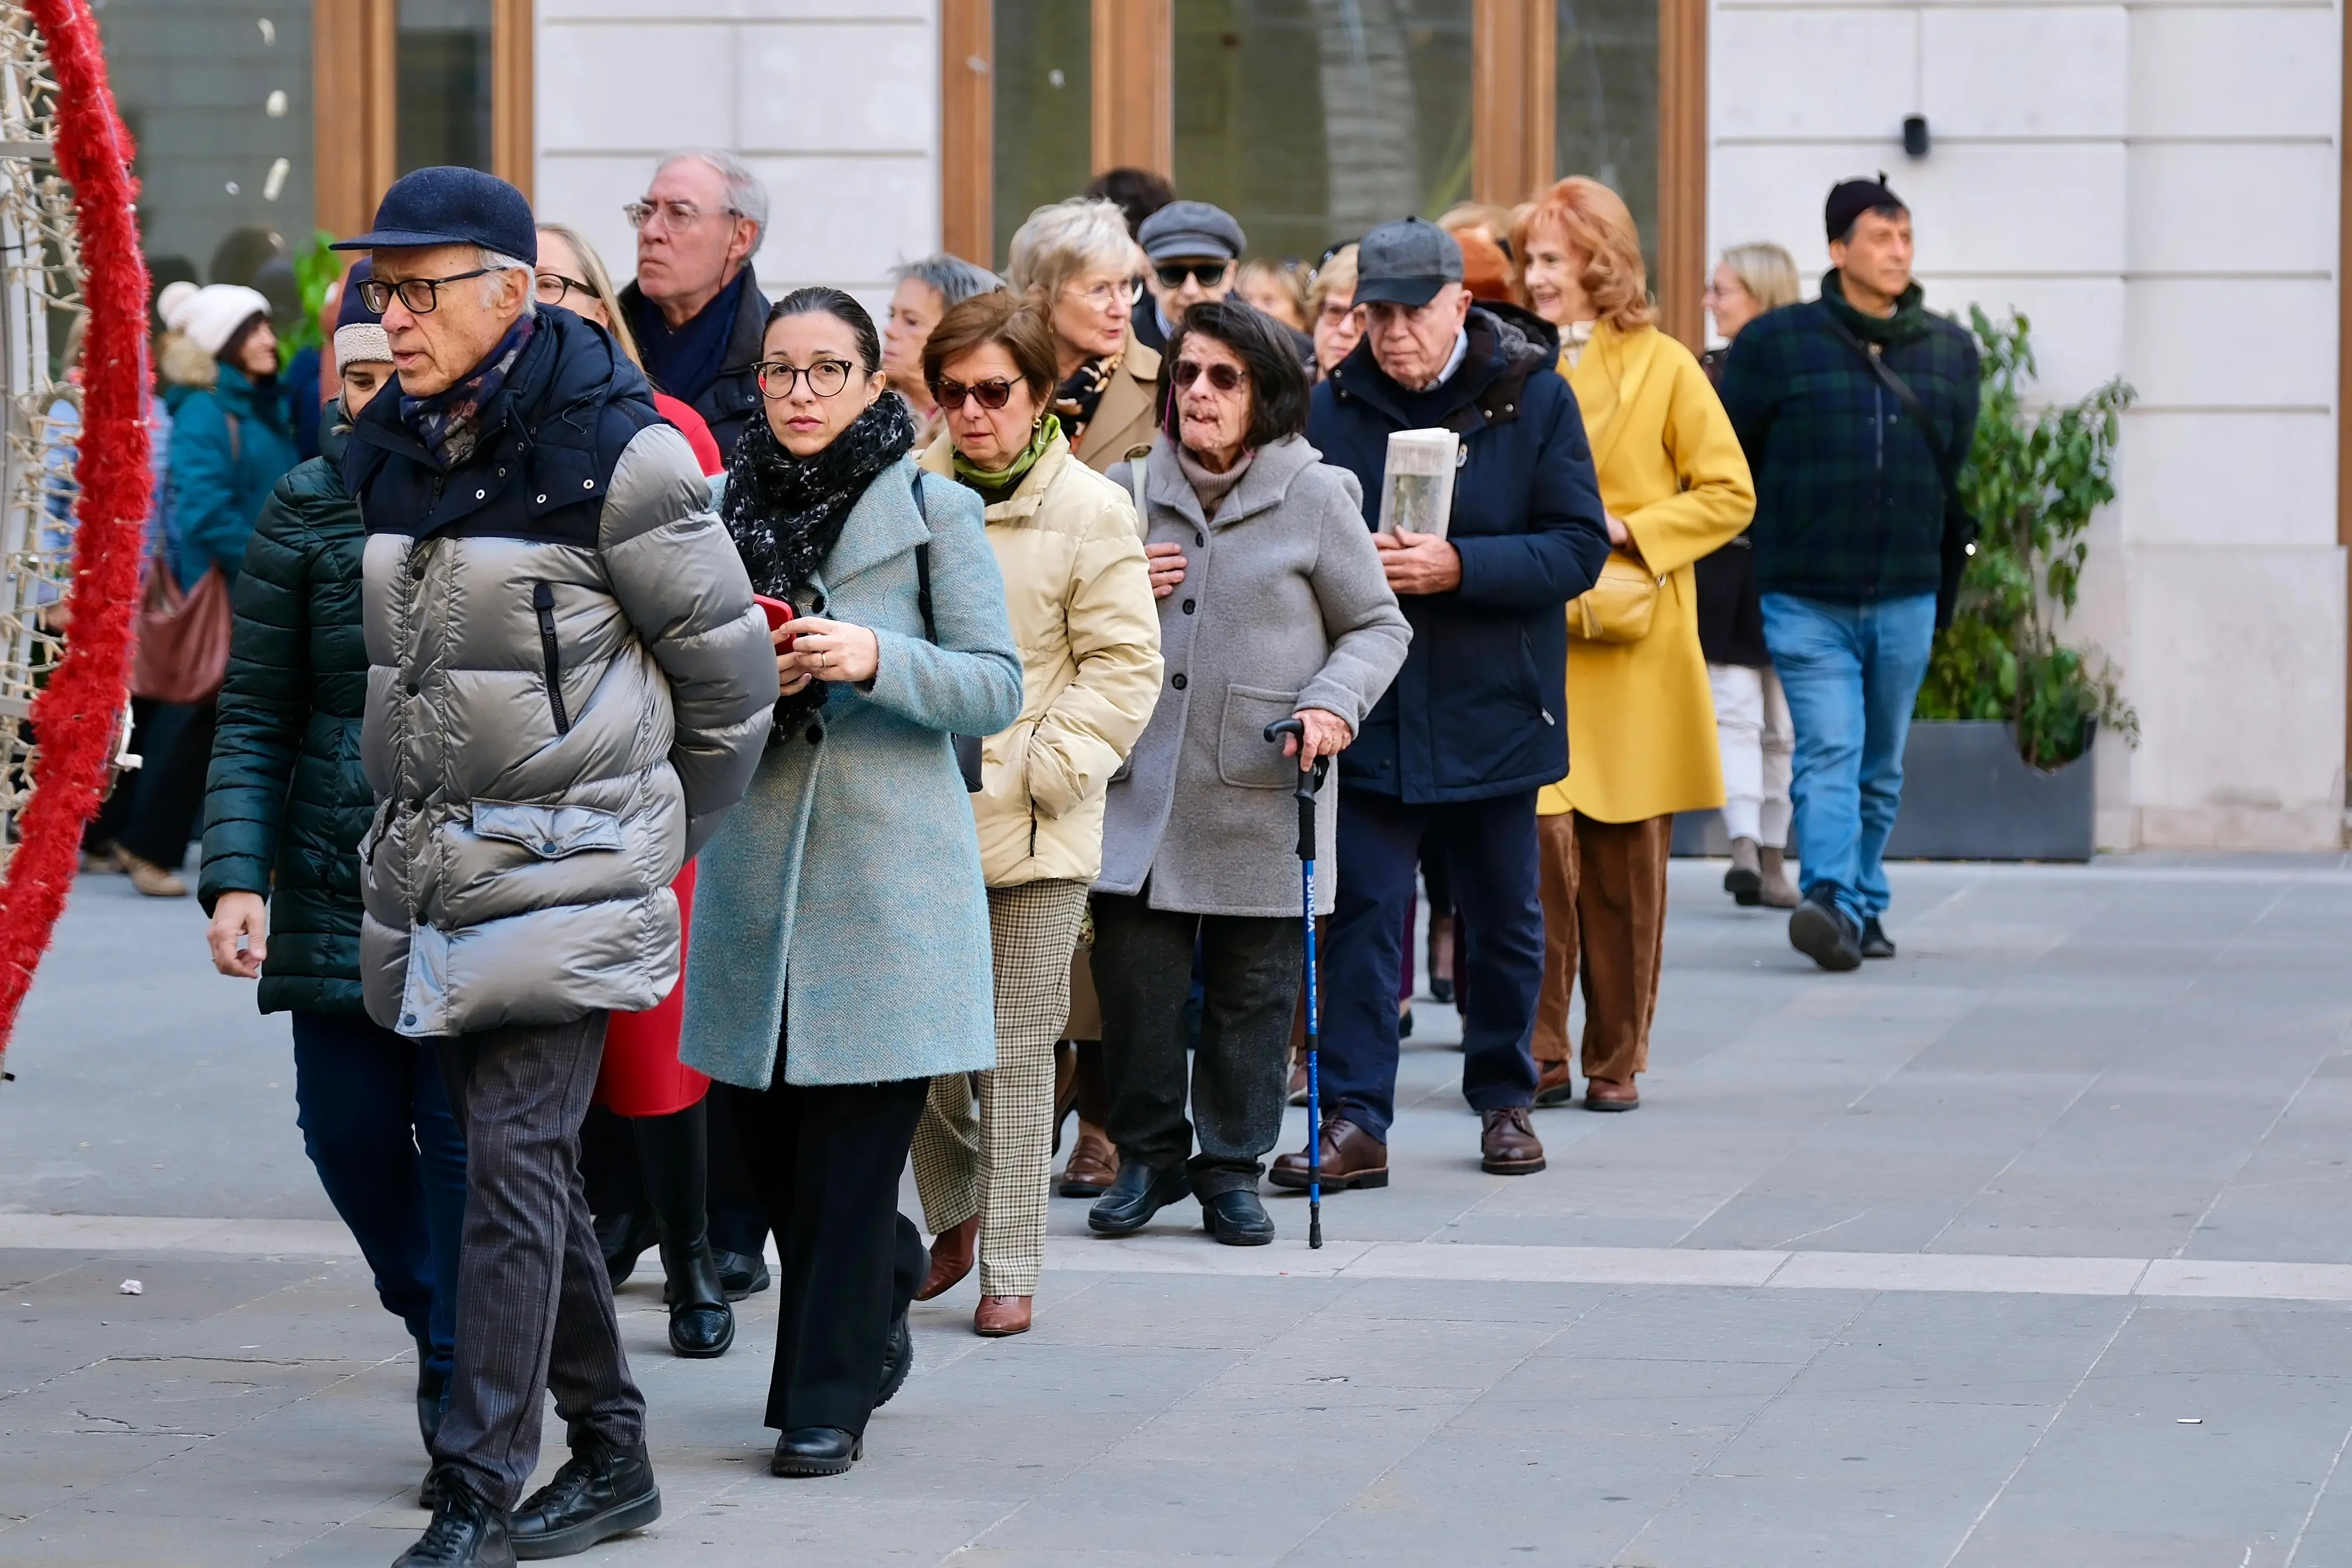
[[1596, 225]]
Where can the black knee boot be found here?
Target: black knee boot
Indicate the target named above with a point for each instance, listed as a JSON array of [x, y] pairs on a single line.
[[673, 1158]]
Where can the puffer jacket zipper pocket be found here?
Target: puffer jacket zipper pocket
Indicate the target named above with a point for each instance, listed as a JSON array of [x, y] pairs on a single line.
[[542, 600]]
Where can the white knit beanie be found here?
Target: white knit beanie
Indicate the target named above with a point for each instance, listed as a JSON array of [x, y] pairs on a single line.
[[362, 343], [209, 317]]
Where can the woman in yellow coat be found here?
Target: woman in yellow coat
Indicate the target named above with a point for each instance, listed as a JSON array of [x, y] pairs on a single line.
[[1641, 723]]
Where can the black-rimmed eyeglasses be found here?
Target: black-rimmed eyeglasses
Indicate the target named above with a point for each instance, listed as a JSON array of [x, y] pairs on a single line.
[[553, 287], [420, 294]]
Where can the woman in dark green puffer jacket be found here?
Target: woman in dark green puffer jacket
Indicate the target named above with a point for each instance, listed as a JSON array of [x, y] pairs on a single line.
[[285, 805]]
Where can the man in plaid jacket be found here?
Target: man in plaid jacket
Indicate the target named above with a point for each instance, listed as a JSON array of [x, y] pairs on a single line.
[[1848, 535]]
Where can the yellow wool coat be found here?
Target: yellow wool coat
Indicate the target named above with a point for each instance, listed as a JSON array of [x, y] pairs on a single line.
[[1640, 722]]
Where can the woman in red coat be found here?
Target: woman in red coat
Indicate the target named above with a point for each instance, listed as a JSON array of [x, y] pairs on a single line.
[[642, 1080]]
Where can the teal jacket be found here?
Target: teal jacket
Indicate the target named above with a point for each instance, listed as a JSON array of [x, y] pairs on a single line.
[[840, 903], [230, 444], [286, 797]]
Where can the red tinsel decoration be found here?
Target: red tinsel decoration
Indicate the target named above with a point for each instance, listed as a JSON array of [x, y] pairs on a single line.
[[74, 714]]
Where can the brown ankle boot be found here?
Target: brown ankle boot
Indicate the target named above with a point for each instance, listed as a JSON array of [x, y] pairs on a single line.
[[1778, 892], [951, 1255]]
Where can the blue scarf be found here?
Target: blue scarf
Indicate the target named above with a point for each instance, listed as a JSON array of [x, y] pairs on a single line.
[[449, 423], [684, 363]]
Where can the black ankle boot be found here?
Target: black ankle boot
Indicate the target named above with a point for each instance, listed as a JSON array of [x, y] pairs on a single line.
[[674, 1159], [600, 1491]]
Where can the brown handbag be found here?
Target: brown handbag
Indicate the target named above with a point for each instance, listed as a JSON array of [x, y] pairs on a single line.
[[182, 652]]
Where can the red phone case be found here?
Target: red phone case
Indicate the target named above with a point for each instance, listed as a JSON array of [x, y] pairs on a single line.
[[777, 611]]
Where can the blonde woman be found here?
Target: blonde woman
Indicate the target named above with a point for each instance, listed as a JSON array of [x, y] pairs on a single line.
[[1640, 722], [1080, 262], [1276, 287], [1332, 314], [1751, 713]]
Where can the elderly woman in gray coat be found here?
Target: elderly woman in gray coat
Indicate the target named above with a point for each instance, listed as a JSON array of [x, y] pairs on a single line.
[[1272, 603], [841, 929]]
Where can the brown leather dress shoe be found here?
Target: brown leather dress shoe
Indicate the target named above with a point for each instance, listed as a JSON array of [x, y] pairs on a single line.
[[1611, 1094], [1094, 1165], [951, 1255], [1555, 1083], [999, 1316], [1507, 1145], [1350, 1155]]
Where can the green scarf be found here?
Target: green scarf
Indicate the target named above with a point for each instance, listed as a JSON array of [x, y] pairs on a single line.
[[1004, 478]]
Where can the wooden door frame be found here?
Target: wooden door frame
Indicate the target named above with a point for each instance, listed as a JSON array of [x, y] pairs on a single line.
[[355, 78]]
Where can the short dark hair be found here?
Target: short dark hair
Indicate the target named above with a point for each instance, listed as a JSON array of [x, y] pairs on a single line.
[[996, 317], [1279, 390], [820, 300], [1139, 192]]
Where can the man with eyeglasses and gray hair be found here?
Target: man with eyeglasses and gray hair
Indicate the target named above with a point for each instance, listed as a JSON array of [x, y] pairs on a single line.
[[568, 687], [696, 305]]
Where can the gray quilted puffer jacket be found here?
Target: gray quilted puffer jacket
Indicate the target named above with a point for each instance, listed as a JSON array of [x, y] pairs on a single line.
[[568, 687]]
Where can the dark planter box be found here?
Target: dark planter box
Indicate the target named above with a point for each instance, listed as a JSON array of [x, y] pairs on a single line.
[[1967, 796]]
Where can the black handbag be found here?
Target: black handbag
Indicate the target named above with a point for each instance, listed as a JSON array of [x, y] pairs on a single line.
[[1960, 527], [967, 746]]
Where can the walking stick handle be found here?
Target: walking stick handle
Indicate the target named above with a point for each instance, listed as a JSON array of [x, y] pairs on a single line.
[[1310, 782]]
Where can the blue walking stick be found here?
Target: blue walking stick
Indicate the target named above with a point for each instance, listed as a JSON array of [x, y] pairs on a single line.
[[1308, 783]]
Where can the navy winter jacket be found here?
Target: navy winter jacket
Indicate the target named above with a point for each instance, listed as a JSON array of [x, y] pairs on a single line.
[[1480, 708]]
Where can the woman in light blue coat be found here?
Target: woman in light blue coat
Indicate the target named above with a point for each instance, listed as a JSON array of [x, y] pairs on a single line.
[[841, 925]]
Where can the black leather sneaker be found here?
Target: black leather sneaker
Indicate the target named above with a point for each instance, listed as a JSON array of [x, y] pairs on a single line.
[[1825, 933], [602, 1490], [1875, 942], [467, 1529], [741, 1274]]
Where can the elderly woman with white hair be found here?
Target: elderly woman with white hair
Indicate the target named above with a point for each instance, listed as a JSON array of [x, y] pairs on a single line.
[[923, 292], [1078, 259]]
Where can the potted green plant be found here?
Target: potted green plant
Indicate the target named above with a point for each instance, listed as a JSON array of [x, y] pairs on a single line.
[[1998, 766]]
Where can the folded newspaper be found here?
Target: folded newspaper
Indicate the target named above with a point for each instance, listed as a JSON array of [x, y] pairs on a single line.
[[1417, 486]]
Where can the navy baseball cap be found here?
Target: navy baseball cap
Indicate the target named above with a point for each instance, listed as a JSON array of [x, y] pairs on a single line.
[[447, 205], [1406, 263]]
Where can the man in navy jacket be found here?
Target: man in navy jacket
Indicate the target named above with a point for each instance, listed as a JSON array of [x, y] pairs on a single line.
[[1477, 721]]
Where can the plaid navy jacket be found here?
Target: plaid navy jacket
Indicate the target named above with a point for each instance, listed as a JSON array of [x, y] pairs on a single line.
[[1849, 507]]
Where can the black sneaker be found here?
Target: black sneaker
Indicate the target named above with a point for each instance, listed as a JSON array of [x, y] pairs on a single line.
[[602, 1490], [741, 1274], [467, 1530], [1875, 942], [1825, 933]]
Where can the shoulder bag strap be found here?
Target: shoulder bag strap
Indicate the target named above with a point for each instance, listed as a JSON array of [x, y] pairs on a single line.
[[923, 566], [1948, 463]]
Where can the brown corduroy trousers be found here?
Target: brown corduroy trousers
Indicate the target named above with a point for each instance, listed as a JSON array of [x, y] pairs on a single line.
[[1604, 906]]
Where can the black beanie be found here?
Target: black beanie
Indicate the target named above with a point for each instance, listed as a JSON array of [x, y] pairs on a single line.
[[1849, 199]]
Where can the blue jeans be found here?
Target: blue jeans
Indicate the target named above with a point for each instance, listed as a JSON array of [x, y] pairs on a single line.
[[1851, 673], [375, 1121], [1490, 848]]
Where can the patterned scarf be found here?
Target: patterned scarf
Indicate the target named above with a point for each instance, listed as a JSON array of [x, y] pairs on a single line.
[[786, 512], [1076, 400], [449, 423]]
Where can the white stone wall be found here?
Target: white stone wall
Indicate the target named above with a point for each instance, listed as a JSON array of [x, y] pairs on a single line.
[[2155, 185], [834, 102]]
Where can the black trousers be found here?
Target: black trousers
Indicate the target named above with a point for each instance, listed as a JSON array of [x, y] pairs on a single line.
[[826, 1161], [153, 812], [534, 1307], [1251, 969]]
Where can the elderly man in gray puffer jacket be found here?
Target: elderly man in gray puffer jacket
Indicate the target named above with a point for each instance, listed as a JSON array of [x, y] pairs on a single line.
[[568, 687]]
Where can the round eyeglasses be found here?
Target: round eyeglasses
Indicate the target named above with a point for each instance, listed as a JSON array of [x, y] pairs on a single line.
[[826, 378]]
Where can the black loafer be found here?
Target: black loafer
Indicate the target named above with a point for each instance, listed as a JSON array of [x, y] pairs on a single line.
[[1236, 1218], [1875, 942], [816, 1451], [467, 1529], [1136, 1194], [897, 1360], [600, 1491], [1827, 935], [741, 1274]]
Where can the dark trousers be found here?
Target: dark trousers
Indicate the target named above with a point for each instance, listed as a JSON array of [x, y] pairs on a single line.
[[168, 807], [1250, 973], [534, 1307], [826, 1160], [1490, 854], [375, 1121]]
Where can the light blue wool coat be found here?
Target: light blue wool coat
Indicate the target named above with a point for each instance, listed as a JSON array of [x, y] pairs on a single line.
[[847, 886]]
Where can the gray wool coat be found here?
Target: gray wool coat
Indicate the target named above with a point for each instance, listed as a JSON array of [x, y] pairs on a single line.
[[1284, 605]]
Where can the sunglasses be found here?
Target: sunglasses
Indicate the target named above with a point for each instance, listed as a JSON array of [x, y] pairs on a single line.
[[1224, 378], [991, 395], [1207, 274]]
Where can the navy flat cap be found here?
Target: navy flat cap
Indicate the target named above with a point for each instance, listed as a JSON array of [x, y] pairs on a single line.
[[449, 205]]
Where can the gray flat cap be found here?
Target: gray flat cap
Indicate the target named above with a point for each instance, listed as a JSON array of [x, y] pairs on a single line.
[[1191, 228], [1406, 263]]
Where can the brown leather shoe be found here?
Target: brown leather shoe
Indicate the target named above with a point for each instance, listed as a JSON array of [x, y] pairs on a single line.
[[1094, 1165], [1350, 1155], [152, 880], [1611, 1094], [999, 1316], [1555, 1083], [1507, 1145], [951, 1255]]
